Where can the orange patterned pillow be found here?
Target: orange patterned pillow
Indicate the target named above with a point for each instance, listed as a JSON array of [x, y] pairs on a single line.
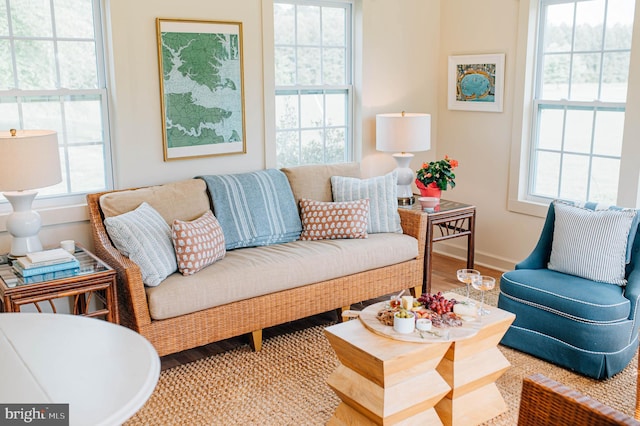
[[329, 221], [198, 243]]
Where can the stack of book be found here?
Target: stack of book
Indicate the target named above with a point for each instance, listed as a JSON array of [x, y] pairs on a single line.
[[46, 262]]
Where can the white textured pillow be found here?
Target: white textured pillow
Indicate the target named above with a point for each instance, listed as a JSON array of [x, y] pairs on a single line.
[[382, 192], [591, 244], [144, 237]]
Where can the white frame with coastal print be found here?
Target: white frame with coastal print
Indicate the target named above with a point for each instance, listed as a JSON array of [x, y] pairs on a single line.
[[202, 109], [490, 69]]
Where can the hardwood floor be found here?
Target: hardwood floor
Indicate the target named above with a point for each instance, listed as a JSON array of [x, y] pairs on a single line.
[[443, 279]]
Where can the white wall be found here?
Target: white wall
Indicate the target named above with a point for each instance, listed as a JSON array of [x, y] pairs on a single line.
[[137, 123], [481, 141], [399, 70], [402, 66]]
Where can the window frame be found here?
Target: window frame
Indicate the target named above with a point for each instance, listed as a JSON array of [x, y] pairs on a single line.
[[347, 88], [70, 199], [524, 126]]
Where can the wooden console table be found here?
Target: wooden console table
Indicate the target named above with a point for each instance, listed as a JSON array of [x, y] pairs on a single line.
[[450, 219]]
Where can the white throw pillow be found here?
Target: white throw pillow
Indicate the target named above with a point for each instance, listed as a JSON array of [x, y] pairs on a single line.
[[382, 192], [591, 244], [144, 237]]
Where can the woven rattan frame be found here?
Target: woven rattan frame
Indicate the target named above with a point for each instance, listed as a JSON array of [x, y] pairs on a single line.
[[222, 322], [547, 402]]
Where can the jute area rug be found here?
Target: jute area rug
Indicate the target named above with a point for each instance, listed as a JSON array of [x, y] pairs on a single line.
[[285, 384]]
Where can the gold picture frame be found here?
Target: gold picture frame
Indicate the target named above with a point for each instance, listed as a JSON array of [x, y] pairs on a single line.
[[201, 71]]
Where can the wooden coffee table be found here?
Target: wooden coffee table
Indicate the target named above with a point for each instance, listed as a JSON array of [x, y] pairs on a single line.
[[386, 381]]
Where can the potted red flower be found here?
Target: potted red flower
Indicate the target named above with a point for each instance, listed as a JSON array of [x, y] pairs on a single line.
[[436, 176]]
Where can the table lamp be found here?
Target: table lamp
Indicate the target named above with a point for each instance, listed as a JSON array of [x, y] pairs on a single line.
[[29, 160], [403, 133]]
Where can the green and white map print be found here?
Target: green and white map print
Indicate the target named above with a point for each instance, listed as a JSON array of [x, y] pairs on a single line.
[[202, 88]]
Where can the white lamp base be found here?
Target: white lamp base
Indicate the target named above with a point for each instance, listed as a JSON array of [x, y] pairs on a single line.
[[23, 224], [406, 176]]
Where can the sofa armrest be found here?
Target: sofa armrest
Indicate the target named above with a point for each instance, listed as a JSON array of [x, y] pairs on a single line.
[[131, 294], [414, 223]]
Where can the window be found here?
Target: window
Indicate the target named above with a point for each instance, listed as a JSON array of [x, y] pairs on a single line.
[[313, 73], [52, 77], [582, 68]]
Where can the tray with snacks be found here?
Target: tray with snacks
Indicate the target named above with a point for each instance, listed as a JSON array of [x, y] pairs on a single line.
[[445, 325]]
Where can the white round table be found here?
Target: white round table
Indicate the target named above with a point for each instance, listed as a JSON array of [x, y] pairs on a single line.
[[105, 372]]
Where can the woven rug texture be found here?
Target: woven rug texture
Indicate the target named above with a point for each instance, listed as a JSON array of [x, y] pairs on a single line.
[[285, 384]]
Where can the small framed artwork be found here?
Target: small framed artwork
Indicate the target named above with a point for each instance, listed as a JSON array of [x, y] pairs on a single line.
[[201, 88], [476, 82]]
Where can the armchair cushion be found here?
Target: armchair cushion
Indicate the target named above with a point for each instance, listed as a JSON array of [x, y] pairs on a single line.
[[591, 244], [566, 295]]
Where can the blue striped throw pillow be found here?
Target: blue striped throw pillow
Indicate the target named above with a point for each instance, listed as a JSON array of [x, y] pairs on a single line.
[[383, 199], [144, 237], [591, 244], [254, 209]]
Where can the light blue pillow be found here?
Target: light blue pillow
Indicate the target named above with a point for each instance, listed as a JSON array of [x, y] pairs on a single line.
[[144, 237], [634, 225], [254, 209], [591, 244], [382, 192]]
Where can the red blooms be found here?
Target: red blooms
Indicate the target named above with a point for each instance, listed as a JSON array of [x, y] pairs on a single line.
[[438, 173]]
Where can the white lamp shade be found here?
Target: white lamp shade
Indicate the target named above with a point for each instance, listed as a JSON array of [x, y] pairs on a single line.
[[29, 160], [403, 132]]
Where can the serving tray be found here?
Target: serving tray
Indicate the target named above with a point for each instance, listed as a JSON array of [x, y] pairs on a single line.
[[368, 317]]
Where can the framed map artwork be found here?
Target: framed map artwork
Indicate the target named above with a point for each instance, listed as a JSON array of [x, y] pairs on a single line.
[[201, 88], [476, 82]]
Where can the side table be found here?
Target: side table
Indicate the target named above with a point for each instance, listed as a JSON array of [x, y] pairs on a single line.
[[104, 372], [95, 279], [449, 219]]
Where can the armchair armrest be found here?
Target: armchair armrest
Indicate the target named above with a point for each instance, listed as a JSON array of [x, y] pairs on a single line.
[[539, 257], [546, 402]]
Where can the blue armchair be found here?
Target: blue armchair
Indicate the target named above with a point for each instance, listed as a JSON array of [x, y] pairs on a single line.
[[586, 326]]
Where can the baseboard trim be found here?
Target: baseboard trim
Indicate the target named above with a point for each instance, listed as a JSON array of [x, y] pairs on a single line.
[[481, 259]]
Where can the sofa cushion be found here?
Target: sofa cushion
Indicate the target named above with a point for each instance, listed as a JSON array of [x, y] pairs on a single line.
[[144, 237], [382, 194], [254, 209], [256, 271], [328, 221], [591, 244], [198, 243], [184, 200], [566, 295], [314, 182]]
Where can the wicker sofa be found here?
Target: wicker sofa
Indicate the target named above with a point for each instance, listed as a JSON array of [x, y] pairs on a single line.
[[186, 320]]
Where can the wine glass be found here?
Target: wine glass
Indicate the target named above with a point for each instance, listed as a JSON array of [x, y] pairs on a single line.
[[483, 283], [464, 275]]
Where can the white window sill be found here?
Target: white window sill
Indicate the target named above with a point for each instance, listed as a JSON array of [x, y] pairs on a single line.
[[530, 208], [54, 215]]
